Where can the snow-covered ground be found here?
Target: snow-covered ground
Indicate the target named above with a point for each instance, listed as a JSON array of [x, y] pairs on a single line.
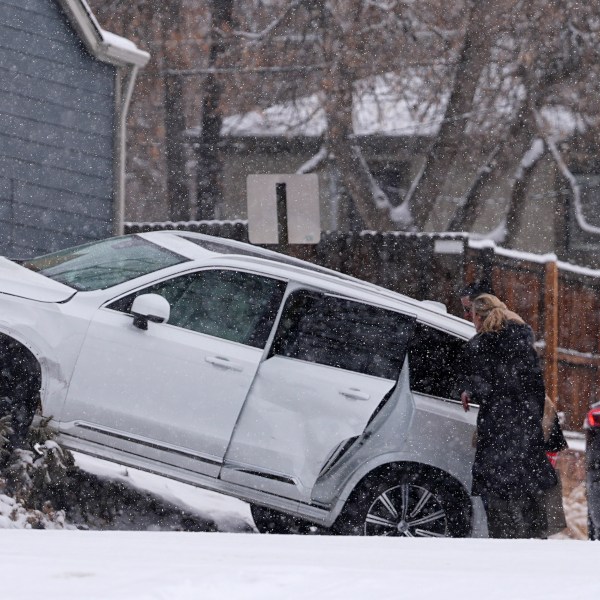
[[230, 564], [72, 565], [230, 514]]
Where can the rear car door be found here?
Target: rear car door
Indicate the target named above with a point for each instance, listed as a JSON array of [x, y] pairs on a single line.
[[173, 393], [332, 364], [441, 429]]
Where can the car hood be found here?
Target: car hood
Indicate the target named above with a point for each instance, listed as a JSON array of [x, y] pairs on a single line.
[[19, 281]]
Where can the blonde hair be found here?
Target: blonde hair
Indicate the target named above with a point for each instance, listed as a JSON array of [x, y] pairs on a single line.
[[493, 313]]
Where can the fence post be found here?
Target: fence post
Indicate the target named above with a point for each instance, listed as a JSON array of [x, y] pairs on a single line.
[[551, 330]]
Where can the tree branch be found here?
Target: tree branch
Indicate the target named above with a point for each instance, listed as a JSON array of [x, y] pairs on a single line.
[[313, 163], [255, 37]]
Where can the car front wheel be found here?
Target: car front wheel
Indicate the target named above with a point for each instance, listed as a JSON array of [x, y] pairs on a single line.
[[20, 380]]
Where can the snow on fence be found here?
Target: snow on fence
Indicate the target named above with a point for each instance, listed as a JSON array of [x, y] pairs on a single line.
[[559, 300]]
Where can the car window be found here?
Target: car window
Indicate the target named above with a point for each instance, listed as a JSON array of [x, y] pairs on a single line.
[[435, 362], [232, 305], [342, 333], [103, 264]]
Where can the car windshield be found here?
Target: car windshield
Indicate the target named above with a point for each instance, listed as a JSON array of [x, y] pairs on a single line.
[[101, 265]]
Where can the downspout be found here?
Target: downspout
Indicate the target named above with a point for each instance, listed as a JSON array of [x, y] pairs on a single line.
[[124, 89]]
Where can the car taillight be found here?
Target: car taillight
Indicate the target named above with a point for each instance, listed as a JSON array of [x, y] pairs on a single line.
[[552, 457], [594, 417]]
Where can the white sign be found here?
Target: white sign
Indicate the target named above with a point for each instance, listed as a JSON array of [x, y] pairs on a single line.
[[448, 246], [283, 209]]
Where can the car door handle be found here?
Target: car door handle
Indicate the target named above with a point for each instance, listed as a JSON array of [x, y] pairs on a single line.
[[354, 394], [224, 363]]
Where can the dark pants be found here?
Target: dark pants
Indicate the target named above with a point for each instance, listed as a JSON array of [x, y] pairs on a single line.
[[516, 518]]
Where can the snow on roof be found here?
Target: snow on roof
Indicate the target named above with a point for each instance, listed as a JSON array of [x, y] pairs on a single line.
[[561, 121], [377, 109], [122, 48], [383, 105], [300, 117]]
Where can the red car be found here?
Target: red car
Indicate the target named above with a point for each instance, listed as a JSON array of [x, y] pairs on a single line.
[[592, 426]]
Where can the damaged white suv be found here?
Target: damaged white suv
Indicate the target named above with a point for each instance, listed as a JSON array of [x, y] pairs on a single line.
[[319, 399]]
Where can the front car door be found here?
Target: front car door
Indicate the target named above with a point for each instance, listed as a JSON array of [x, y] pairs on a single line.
[[173, 393], [332, 364]]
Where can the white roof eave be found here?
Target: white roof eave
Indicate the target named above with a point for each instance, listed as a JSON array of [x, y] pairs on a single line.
[[105, 46], [121, 51]]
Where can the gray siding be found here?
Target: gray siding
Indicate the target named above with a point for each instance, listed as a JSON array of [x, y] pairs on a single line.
[[56, 133]]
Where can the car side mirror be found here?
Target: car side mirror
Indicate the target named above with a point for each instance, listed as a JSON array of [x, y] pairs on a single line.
[[149, 307]]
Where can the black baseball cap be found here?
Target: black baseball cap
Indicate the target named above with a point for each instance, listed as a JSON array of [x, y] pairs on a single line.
[[472, 290]]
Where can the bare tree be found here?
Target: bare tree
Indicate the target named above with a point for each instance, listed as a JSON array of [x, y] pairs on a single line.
[[482, 29], [551, 51], [344, 43], [481, 70], [173, 32], [209, 168]]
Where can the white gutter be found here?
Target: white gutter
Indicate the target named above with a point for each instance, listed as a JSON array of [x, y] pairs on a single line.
[[128, 58], [123, 98]]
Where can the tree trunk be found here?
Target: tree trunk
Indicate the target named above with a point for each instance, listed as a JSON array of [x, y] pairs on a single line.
[[474, 55], [209, 165], [522, 143], [348, 159], [175, 157], [466, 214], [518, 197], [177, 191], [208, 160]]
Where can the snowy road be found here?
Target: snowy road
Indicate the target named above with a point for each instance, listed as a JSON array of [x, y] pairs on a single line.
[[154, 565], [71, 565]]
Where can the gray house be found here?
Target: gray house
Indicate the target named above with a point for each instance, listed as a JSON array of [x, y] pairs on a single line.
[[65, 86]]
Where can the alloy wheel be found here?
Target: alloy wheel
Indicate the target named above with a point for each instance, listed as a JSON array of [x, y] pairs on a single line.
[[407, 510]]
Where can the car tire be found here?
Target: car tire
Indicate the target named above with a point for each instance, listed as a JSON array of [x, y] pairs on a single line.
[[268, 520], [405, 502], [19, 393]]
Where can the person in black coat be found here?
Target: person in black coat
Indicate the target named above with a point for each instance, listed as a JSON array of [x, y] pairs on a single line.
[[511, 470]]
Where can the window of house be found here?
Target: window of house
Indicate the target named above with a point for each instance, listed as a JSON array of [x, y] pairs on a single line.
[[578, 237], [435, 362], [343, 334], [590, 198], [232, 305], [392, 177]]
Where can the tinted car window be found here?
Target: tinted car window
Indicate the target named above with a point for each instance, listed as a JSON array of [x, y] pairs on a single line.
[[344, 334], [435, 361], [236, 306], [101, 265]]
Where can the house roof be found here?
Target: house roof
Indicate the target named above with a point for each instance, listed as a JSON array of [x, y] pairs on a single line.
[[383, 105], [105, 46], [378, 109]]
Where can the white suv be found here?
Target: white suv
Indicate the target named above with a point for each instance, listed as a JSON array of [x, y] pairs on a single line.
[[317, 398]]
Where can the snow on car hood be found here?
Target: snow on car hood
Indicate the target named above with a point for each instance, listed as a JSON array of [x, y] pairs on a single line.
[[19, 281]]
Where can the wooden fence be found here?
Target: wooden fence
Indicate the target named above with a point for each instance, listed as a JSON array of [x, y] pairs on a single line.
[[560, 301]]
